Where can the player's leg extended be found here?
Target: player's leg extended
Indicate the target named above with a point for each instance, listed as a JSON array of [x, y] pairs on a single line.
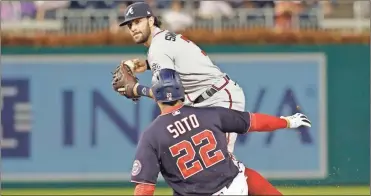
[[258, 185], [233, 98]]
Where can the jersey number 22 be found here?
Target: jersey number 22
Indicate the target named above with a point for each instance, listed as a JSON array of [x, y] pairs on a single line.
[[190, 153]]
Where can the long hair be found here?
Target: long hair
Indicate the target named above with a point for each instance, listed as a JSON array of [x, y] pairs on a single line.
[[157, 22]]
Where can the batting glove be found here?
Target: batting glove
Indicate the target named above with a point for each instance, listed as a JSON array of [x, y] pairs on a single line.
[[297, 120]]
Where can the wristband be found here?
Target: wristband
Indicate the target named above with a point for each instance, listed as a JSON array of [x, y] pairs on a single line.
[[288, 123], [143, 90]]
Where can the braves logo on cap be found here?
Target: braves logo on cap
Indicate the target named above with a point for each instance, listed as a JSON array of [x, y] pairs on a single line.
[[130, 11]]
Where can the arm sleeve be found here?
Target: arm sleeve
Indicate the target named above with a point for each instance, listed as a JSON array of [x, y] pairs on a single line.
[[264, 122], [144, 189], [233, 120], [146, 165], [161, 58]]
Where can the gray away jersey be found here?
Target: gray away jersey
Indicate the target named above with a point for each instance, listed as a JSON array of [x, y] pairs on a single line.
[[174, 51], [189, 148]]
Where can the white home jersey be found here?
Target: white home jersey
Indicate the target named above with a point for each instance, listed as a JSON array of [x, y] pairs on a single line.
[[197, 72]]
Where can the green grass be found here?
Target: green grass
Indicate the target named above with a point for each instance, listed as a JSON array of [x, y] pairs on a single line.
[[343, 190]]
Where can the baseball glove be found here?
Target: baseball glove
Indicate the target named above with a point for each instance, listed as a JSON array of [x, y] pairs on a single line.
[[124, 81]]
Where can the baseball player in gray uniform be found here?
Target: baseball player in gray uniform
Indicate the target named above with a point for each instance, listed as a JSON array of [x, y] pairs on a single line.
[[204, 83]]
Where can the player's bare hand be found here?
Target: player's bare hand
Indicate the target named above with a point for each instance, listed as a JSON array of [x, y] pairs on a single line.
[[136, 65], [297, 120], [140, 65]]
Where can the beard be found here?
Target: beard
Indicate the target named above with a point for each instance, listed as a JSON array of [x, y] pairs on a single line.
[[144, 35], [143, 39]]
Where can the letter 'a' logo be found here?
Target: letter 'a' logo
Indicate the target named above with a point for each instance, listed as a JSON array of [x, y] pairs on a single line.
[[130, 11]]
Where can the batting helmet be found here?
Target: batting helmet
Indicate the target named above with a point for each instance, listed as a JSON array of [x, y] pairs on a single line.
[[135, 11], [167, 86]]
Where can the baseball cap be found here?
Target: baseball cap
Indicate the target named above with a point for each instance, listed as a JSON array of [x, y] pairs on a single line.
[[135, 11]]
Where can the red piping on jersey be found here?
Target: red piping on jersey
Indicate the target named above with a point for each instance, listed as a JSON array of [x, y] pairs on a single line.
[[189, 98], [158, 33], [225, 84], [171, 109], [230, 98], [230, 104]]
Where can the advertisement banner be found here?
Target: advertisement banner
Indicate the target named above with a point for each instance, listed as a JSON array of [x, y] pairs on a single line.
[[61, 120]]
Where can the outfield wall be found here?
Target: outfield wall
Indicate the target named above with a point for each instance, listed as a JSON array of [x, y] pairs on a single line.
[[63, 123]]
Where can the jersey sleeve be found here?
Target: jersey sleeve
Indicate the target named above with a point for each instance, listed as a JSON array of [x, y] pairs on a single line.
[[161, 57], [146, 165], [233, 120]]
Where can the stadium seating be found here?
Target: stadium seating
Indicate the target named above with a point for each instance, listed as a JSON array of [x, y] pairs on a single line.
[[86, 16]]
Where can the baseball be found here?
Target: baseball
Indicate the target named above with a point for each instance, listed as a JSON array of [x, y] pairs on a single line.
[[131, 64]]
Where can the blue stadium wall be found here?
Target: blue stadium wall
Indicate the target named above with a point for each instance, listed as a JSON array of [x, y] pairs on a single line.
[[83, 134]]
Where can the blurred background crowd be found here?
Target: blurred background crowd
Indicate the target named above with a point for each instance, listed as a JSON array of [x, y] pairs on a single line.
[[85, 16]]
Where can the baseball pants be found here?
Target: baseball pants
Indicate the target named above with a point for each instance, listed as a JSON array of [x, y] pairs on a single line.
[[238, 185]]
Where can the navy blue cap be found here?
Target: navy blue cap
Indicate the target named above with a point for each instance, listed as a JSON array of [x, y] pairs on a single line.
[[135, 11], [167, 86]]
